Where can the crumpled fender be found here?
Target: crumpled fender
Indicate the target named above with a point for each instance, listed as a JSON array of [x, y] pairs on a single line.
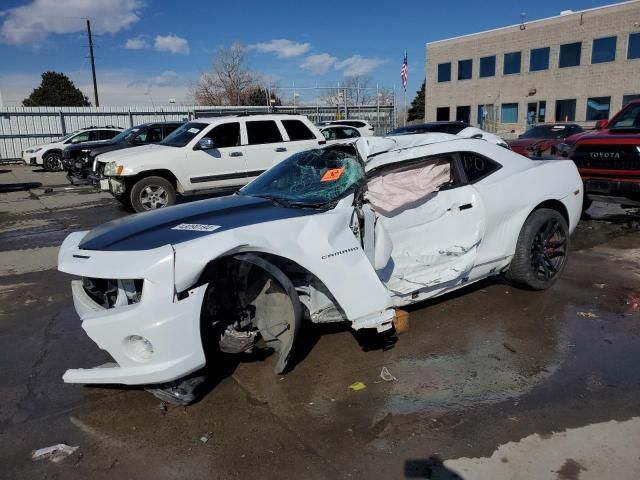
[[323, 244]]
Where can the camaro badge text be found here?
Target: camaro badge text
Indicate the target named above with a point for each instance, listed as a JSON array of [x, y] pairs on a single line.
[[196, 227], [335, 254]]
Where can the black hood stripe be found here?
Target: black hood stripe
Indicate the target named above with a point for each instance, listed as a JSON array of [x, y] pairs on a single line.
[[149, 230]]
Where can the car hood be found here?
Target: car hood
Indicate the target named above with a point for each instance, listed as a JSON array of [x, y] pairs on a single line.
[[87, 145], [43, 145], [131, 154], [154, 229], [607, 134]]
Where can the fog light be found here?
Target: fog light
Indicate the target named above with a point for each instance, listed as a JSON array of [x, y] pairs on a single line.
[[138, 348]]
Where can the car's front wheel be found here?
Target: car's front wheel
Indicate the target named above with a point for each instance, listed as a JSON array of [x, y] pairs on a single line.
[[52, 162], [541, 251], [151, 193]]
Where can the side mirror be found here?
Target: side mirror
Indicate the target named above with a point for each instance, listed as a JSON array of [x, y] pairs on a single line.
[[204, 143], [602, 124]]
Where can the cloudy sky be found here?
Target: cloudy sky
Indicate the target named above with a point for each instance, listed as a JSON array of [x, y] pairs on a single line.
[[153, 50]]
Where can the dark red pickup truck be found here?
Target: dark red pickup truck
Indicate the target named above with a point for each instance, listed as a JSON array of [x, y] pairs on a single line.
[[609, 157]]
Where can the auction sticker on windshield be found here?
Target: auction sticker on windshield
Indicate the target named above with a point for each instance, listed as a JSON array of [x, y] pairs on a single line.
[[196, 227], [193, 130], [332, 174]]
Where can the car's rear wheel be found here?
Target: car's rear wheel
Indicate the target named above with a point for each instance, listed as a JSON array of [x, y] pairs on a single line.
[[52, 162], [541, 251], [152, 193]]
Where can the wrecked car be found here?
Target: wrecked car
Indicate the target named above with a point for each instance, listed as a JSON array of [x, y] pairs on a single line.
[[343, 233]]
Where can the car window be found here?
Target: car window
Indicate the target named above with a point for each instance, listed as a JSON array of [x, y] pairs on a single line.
[[477, 167], [94, 135], [546, 132], [184, 134], [342, 133], [81, 137], [168, 129], [629, 118], [297, 130], [108, 134], [455, 128], [225, 135], [263, 131], [150, 135], [329, 133]]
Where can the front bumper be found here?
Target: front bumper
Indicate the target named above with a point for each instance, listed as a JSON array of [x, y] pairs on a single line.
[[171, 326], [115, 186], [628, 188]]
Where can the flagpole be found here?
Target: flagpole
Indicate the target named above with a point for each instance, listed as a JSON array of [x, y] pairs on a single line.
[[404, 114]]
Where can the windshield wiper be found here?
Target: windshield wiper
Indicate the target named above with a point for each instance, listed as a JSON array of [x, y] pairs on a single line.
[[283, 202]]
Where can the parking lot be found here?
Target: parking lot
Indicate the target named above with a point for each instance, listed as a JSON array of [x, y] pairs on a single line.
[[489, 382]]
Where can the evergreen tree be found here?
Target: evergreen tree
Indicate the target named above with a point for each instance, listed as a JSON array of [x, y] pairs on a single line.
[[56, 90], [416, 112]]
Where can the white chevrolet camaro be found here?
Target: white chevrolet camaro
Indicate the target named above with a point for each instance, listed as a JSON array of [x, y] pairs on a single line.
[[345, 233]]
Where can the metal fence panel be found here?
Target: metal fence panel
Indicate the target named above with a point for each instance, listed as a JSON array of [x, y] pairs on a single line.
[[22, 127]]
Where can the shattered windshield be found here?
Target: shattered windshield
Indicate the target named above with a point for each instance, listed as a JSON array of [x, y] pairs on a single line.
[[311, 178]]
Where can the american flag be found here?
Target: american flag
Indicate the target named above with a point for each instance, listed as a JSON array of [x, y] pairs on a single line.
[[404, 72]]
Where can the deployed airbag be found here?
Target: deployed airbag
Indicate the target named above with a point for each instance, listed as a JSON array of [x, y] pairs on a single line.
[[392, 191]]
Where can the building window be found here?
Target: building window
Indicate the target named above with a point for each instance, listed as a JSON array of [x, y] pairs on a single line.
[[598, 108], [442, 114], [604, 50], [566, 110], [542, 110], [463, 114], [539, 59], [512, 63], [626, 99], [509, 113], [444, 72], [488, 66], [634, 46], [465, 69], [570, 55]]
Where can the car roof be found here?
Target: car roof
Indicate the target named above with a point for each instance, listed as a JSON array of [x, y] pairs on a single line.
[[266, 116], [380, 151]]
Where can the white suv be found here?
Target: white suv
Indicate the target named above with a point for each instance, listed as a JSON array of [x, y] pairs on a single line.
[[49, 155], [214, 154]]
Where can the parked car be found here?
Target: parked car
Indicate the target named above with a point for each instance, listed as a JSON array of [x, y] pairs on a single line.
[[608, 158], [543, 139], [348, 232], [78, 159], [49, 155], [364, 127], [460, 129], [339, 132], [216, 154]]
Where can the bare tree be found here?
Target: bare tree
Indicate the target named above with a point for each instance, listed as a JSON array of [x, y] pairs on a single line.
[[357, 89], [231, 81]]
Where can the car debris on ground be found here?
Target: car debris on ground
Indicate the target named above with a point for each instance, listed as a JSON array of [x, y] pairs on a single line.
[[55, 453]]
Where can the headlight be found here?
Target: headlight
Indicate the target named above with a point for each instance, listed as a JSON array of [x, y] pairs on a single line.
[[112, 169], [33, 150]]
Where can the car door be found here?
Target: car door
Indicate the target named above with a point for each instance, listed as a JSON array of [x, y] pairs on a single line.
[[265, 146], [429, 222], [220, 167]]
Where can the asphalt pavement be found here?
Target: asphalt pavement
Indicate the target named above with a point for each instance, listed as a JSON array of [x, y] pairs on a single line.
[[491, 382]]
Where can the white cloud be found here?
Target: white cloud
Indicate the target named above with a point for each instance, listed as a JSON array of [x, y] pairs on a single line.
[[358, 65], [137, 43], [282, 48], [318, 64], [32, 23], [171, 43]]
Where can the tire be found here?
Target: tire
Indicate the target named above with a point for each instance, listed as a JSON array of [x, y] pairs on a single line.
[[52, 162], [125, 200], [541, 251], [152, 193]]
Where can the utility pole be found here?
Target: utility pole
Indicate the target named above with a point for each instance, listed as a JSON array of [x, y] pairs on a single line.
[[93, 64]]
